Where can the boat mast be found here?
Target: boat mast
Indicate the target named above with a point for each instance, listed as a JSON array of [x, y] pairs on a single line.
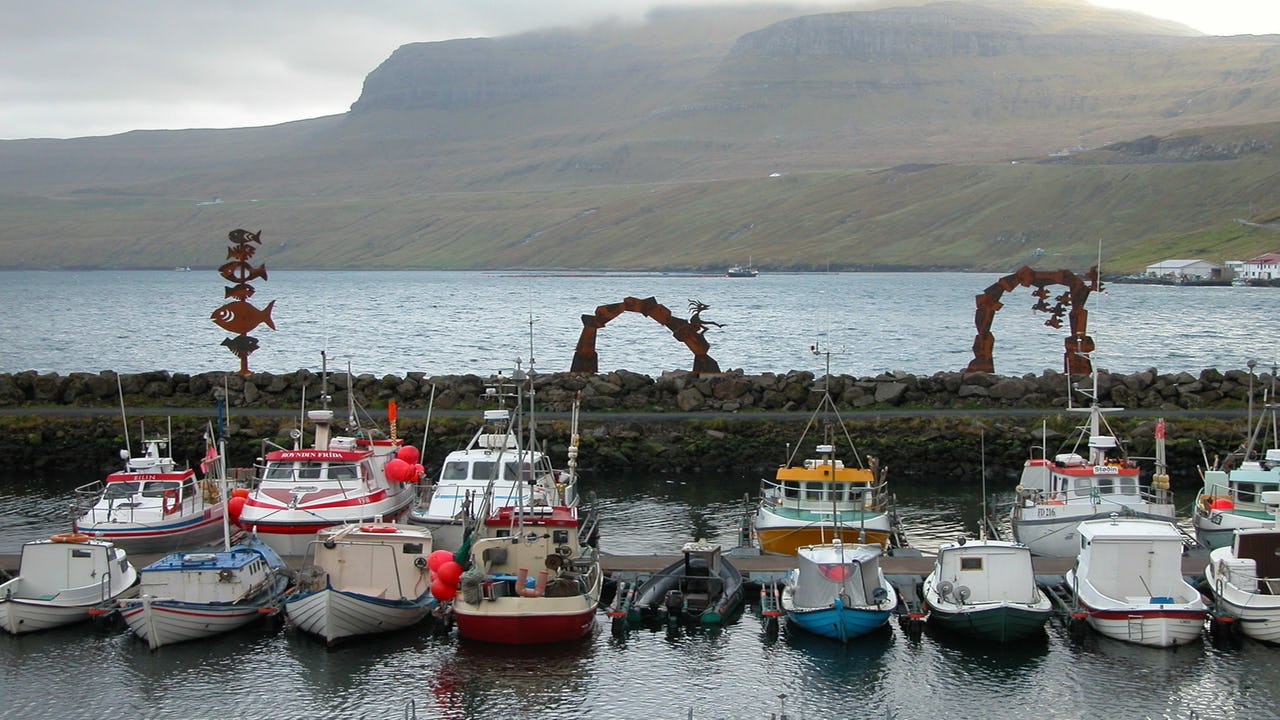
[[123, 418]]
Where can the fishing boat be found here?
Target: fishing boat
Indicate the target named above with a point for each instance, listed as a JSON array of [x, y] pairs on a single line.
[[194, 594], [1127, 583], [530, 579], [1056, 494], [151, 505], [362, 580], [742, 271], [498, 468], [62, 580], [1231, 496], [340, 480], [1244, 579], [986, 589], [839, 591], [701, 588], [816, 500]]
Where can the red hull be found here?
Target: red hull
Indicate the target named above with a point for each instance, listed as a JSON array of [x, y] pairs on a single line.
[[525, 629]]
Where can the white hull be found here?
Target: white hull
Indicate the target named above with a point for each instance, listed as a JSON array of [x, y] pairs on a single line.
[[1059, 536], [1258, 613], [38, 598], [24, 616], [165, 621], [334, 615]]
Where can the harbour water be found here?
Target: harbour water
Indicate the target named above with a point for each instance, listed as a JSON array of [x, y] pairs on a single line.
[[441, 323], [474, 322]]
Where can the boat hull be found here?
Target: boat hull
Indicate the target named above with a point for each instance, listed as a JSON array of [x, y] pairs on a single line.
[[1257, 614], [1002, 623], [787, 540], [168, 537], [24, 616], [1151, 627], [1216, 529], [1058, 536], [508, 621], [334, 615], [162, 622], [841, 624]]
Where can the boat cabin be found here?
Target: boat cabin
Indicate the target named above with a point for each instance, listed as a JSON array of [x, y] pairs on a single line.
[[821, 483], [1069, 476], [214, 576], [1135, 560], [848, 571], [987, 572], [1241, 489]]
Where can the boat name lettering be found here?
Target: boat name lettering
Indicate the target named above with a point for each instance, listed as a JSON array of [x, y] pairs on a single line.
[[310, 455], [1105, 469], [1046, 512]]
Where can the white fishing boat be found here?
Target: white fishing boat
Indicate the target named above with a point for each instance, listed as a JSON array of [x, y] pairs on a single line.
[[151, 505], [498, 468], [1127, 583], [62, 579], [816, 500], [200, 593], [1056, 494], [839, 591], [340, 480], [531, 579], [362, 580], [1244, 579], [986, 589], [1231, 497]]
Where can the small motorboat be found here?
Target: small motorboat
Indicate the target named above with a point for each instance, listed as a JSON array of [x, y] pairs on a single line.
[[151, 505], [362, 580], [986, 589], [1127, 583], [61, 580], [340, 480], [531, 579], [839, 591], [702, 588], [1244, 579], [192, 595], [1232, 495], [1056, 494], [813, 501], [496, 469]]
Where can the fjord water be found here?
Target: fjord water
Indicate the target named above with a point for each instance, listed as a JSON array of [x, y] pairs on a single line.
[[440, 323], [477, 322]]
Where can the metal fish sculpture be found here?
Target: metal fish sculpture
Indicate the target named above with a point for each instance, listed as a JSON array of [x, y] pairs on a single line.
[[241, 344], [240, 236], [240, 317], [241, 271], [241, 252], [243, 291]]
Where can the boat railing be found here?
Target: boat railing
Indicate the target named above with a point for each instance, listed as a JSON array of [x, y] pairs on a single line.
[[844, 495], [1246, 494]]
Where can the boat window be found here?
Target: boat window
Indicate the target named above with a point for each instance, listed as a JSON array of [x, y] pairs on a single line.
[[1106, 485], [455, 471], [1082, 488], [483, 470], [1247, 493], [1127, 485], [970, 563], [309, 470], [120, 489], [792, 488], [518, 470], [344, 471], [157, 489], [815, 491], [279, 471]]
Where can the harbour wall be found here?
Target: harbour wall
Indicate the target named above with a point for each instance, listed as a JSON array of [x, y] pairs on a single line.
[[941, 428]]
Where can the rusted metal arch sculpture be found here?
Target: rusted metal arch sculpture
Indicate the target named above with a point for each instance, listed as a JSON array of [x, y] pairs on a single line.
[[1070, 303], [690, 332]]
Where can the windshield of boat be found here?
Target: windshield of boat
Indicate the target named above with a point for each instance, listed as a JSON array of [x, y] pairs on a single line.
[[312, 471], [120, 489], [157, 489]]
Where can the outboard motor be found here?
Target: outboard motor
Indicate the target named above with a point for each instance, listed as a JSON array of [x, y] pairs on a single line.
[[674, 602]]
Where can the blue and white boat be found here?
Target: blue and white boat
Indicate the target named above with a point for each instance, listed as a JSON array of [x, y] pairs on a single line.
[[363, 580], [196, 594], [192, 595], [839, 591]]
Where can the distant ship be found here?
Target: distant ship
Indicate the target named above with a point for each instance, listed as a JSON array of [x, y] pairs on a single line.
[[742, 271]]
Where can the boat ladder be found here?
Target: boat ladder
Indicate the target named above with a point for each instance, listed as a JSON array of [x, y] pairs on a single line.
[[771, 606], [1135, 628]]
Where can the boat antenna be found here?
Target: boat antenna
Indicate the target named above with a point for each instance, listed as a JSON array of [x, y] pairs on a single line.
[[982, 464], [123, 418], [431, 403], [353, 422], [324, 380]]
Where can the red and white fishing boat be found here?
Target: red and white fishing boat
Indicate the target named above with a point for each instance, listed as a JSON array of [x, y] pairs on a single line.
[[151, 505], [531, 579], [340, 480]]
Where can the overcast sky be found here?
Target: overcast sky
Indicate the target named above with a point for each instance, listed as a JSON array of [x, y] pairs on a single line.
[[71, 68]]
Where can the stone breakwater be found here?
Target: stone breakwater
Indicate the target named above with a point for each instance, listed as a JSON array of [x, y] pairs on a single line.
[[676, 391], [675, 423]]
